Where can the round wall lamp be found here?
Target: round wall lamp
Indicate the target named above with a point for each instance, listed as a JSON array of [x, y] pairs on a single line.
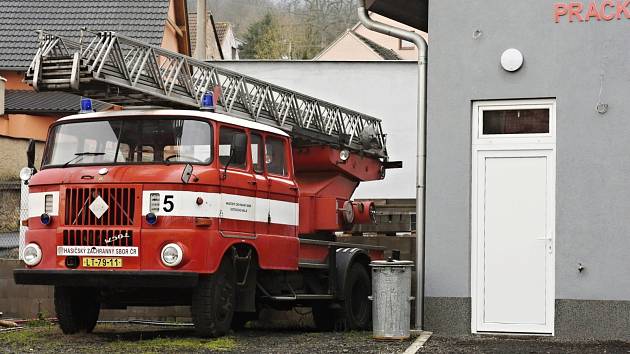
[[512, 60]]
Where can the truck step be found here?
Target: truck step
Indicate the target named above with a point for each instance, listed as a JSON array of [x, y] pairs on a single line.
[[303, 297], [312, 265]]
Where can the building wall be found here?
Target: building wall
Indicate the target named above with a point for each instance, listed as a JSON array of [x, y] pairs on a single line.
[[384, 89], [13, 157], [14, 80], [170, 39], [577, 63], [25, 126], [229, 44]]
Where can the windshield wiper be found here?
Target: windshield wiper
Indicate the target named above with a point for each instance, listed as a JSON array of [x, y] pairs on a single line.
[[80, 155]]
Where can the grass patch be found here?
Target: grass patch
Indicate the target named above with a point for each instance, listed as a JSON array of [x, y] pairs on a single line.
[[19, 337], [39, 323], [172, 344]]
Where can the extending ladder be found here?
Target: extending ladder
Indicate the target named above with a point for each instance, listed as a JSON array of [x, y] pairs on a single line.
[[109, 67]]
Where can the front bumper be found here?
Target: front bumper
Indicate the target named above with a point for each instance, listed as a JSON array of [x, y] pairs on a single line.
[[106, 279]]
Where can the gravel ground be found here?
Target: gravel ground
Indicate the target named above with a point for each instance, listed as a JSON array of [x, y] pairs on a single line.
[[145, 339], [504, 344], [126, 338]]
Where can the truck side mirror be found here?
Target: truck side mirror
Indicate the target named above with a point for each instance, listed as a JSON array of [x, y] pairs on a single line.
[[30, 154], [238, 150]]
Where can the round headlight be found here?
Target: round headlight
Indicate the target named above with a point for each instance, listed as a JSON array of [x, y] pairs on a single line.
[[344, 155], [26, 173], [45, 219], [32, 254], [172, 255], [151, 219]]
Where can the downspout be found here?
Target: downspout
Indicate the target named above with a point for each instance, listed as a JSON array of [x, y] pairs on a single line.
[[202, 18], [422, 46]]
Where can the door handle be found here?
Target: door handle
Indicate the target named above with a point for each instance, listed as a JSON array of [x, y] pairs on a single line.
[[549, 243], [253, 183]]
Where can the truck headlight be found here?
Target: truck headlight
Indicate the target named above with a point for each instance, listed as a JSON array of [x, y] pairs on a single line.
[[32, 254], [26, 173], [172, 255]]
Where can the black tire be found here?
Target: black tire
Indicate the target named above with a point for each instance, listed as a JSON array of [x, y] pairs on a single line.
[[355, 312], [213, 301], [324, 317], [77, 309], [240, 319], [357, 308]]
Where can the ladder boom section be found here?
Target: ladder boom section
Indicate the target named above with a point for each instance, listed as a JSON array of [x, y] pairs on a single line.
[[117, 69]]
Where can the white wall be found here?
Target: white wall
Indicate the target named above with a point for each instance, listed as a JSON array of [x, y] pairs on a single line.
[[385, 90]]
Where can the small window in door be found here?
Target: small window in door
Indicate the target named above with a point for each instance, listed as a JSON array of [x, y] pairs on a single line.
[[258, 153], [517, 121], [226, 136], [275, 156]]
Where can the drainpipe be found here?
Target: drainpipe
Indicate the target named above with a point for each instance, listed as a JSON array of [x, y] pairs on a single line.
[[202, 18], [3, 83], [422, 46]]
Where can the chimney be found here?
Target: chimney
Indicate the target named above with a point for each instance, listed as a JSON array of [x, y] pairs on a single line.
[[202, 18], [3, 83]]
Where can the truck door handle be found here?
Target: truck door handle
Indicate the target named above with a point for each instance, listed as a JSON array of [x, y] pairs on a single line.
[[295, 189], [253, 183]]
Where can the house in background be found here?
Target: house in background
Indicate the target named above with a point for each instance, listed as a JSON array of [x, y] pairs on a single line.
[[359, 43], [213, 47], [227, 38], [28, 114]]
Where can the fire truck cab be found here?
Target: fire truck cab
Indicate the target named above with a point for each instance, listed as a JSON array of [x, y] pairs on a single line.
[[165, 207]]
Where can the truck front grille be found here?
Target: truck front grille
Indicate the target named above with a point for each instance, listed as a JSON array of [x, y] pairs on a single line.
[[120, 200], [97, 238]]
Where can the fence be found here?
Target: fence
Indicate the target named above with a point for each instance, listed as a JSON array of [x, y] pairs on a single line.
[[12, 209]]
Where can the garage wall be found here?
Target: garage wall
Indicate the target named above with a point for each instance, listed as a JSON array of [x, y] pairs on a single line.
[[577, 63], [385, 90]]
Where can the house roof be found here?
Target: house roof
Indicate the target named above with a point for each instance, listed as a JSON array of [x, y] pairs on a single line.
[[192, 25], [222, 30], [55, 102], [386, 54], [140, 19], [378, 50]]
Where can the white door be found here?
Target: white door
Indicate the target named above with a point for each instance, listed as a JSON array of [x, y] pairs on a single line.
[[513, 228]]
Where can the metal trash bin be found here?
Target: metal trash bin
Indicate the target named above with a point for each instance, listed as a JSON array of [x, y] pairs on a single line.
[[391, 299]]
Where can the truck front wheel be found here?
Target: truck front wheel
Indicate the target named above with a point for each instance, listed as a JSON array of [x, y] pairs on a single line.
[[213, 301], [77, 309]]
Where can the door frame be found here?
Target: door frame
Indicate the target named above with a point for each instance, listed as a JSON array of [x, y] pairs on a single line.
[[517, 145]]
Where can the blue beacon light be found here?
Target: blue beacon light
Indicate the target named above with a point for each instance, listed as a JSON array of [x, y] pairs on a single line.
[[86, 105], [207, 102]]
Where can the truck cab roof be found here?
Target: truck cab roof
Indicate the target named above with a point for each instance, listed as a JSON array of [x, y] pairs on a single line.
[[158, 113]]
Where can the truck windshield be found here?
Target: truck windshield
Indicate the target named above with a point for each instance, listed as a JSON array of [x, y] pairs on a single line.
[[130, 141]]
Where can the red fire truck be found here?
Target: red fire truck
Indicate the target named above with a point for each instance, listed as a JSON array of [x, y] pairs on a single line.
[[226, 212]]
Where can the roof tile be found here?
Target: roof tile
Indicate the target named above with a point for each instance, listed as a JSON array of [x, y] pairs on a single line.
[[54, 102], [140, 19]]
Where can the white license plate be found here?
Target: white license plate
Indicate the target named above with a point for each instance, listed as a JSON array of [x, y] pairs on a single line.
[[97, 251]]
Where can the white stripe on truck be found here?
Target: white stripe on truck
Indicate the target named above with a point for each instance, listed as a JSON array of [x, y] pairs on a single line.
[[228, 206]]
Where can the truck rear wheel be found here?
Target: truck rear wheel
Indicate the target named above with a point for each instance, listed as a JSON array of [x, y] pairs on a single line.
[[357, 309], [213, 301], [355, 312], [77, 309]]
